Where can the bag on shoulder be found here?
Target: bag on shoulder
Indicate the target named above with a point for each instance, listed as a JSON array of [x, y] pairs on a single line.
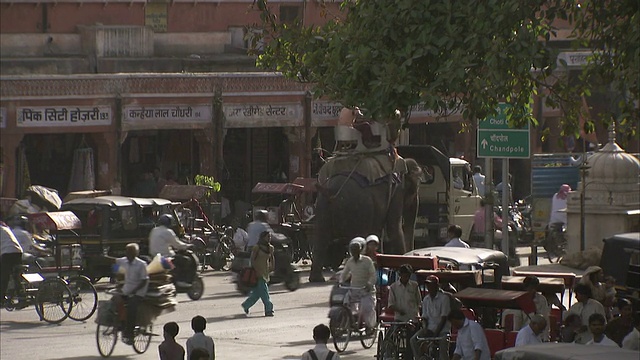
[[249, 277], [315, 357]]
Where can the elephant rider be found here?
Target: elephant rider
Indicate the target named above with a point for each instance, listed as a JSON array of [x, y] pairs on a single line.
[[362, 273], [257, 227], [163, 241], [371, 247]]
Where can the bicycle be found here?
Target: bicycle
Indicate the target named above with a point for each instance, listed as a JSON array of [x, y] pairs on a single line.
[[555, 242], [112, 320], [393, 340], [343, 324], [51, 297], [430, 347]]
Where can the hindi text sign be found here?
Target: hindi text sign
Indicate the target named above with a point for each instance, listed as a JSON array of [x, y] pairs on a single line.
[[63, 116], [497, 140]]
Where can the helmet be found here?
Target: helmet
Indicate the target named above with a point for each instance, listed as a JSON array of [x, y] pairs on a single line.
[[228, 231], [373, 238], [261, 215], [20, 221], [165, 220], [357, 241]]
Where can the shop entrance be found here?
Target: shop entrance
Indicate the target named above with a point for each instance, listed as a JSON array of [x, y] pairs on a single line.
[[49, 160], [154, 157]]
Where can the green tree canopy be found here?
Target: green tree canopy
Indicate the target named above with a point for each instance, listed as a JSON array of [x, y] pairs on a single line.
[[383, 55]]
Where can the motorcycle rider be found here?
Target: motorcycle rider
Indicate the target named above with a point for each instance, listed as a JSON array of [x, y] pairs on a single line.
[[257, 227], [362, 272], [163, 241]]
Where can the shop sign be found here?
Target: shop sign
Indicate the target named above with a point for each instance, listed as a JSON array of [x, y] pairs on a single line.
[[258, 115], [155, 17], [171, 113], [63, 116], [323, 110], [3, 118]]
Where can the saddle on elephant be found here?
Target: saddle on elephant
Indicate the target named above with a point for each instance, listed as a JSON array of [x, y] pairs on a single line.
[[370, 168]]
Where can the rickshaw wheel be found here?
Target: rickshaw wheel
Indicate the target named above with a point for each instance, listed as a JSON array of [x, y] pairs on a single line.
[[52, 300], [340, 327], [84, 298], [142, 339], [292, 282], [106, 338], [367, 340], [380, 346], [196, 290]]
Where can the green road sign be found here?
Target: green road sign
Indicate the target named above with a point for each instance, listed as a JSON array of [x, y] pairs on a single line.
[[497, 140]]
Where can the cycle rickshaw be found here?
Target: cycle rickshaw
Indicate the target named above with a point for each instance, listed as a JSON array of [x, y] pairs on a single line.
[[62, 292]]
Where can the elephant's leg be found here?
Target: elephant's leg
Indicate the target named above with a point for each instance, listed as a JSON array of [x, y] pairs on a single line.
[[394, 225], [320, 247]]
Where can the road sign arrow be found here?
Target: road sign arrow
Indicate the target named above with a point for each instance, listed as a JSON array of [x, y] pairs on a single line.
[[484, 143]]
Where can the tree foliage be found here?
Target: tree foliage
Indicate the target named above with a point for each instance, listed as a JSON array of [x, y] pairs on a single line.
[[383, 55]]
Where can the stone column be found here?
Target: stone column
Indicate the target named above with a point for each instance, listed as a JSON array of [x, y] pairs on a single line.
[[10, 143], [206, 150]]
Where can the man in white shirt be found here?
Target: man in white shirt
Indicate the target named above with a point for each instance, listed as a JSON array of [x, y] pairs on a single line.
[[520, 318], [585, 307], [362, 272], [435, 310], [530, 334], [136, 282], [321, 335], [25, 238], [596, 327], [455, 232], [10, 257], [240, 239], [257, 227], [478, 179], [162, 240], [471, 343], [404, 296], [559, 205]]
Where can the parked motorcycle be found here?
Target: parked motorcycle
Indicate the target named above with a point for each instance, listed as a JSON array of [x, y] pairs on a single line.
[[284, 271], [186, 277]]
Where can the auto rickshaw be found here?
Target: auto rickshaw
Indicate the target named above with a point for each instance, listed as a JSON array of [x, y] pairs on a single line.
[[109, 224], [621, 259]]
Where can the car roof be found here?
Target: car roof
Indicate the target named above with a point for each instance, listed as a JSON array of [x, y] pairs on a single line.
[[629, 240], [119, 201], [562, 351], [461, 255]]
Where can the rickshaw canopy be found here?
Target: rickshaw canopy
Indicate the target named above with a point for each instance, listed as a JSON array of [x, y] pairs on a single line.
[[546, 286], [119, 201], [565, 351], [416, 262], [502, 299], [569, 279], [85, 194], [466, 259], [621, 259], [56, 220], [465, 277], [277, 188]]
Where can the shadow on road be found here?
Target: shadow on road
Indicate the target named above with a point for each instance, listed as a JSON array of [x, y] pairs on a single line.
[[20, 325], [84, 357]]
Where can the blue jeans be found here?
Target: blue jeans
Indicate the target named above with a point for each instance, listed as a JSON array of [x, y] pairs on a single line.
[[260, 291]]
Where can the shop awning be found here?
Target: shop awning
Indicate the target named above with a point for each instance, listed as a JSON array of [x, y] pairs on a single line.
[[58, 220]]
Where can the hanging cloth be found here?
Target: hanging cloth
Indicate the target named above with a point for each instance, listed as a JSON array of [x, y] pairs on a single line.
[[24, 176], [82, 172]]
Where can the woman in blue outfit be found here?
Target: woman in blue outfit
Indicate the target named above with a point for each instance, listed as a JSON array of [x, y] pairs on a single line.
[[263, 262]]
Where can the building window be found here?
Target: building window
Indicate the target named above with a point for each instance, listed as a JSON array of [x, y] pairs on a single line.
[[289, 13]]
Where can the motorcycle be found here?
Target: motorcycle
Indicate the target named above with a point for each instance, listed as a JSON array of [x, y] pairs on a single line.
[[186, 277], [284, 271]]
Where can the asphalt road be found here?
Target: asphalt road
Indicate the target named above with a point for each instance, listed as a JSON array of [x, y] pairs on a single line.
[[285, 336]]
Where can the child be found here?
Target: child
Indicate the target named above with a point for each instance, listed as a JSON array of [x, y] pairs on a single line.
[[169, 349], [570, 329], [199, 340], [596, 327], [321, 335]]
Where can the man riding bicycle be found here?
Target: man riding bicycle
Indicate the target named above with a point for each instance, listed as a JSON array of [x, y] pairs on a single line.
[[435, 310], [362, 272]]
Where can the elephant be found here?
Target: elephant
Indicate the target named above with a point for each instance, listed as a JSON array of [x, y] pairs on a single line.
[[349, 204]]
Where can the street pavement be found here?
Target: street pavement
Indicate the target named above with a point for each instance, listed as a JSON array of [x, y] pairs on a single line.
[[237, 337]]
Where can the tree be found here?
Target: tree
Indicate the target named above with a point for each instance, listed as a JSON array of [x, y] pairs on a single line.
[[383, 55]]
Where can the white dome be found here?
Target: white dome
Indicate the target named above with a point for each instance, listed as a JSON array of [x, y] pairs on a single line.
[[612, 165]]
